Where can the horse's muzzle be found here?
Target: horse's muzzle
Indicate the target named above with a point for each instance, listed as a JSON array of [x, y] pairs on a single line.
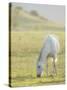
[[38, 75]]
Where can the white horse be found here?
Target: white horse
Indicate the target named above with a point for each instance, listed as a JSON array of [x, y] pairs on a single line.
[[49, 49]]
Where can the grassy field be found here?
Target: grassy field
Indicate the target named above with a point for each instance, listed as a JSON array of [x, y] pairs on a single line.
[[25, 49]]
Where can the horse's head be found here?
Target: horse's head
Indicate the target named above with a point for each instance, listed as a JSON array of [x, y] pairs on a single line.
[[39, 70]]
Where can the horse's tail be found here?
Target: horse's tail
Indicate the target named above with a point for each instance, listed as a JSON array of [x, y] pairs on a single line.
[[60, 53]]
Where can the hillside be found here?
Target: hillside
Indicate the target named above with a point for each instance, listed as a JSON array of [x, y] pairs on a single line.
[[23, 20]]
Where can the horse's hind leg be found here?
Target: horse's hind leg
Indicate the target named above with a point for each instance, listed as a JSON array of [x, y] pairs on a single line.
[[54, 66]]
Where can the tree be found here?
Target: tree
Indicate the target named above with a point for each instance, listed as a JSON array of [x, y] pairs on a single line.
[[19, 8], [33, 12]]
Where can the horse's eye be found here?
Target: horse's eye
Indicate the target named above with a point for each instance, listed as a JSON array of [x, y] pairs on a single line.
[[38, 66]]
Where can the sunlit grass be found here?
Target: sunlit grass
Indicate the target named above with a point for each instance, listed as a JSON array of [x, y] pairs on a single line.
[[25, 49]]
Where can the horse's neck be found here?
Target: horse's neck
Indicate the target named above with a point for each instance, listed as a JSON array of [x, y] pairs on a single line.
[[43, 56]]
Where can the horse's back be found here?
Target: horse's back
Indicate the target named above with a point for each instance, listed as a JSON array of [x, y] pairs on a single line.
[[52, 44]]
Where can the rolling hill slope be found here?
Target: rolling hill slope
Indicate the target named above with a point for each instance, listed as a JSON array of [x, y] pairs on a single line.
[[23, 20]]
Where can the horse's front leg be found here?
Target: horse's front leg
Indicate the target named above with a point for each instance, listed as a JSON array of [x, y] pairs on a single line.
[[47, 67]]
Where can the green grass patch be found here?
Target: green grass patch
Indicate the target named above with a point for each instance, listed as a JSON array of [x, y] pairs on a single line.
[[25, 49]]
